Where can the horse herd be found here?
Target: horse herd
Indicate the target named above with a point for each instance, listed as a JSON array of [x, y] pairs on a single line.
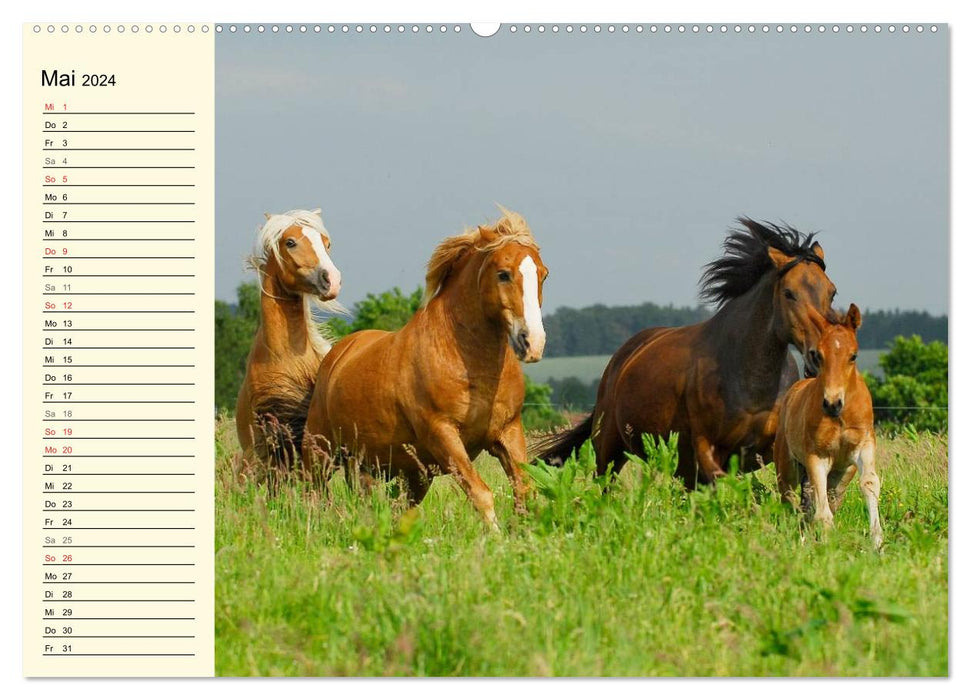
[[430, 397]]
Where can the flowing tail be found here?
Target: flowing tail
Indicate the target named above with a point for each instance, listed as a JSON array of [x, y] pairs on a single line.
[[557, 448]]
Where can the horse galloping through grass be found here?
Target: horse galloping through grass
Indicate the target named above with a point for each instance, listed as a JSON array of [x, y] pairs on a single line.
[[716, 383], [826, 429], [447, 385], [296, 273]]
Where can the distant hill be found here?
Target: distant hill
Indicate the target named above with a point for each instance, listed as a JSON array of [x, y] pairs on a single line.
[[601, 329]]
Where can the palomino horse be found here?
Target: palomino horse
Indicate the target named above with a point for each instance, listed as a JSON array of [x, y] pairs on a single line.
[[295, 273], [826, 429], [448, 384], [715, 383]]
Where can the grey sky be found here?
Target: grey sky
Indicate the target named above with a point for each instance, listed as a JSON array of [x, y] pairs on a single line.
[[629, 155]]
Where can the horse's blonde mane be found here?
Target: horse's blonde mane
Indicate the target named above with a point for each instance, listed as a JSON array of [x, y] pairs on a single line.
[[511, 228]]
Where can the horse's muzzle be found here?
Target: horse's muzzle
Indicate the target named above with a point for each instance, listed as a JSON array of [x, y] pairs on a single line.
[[528, 347], [328, 285], [833, 409]]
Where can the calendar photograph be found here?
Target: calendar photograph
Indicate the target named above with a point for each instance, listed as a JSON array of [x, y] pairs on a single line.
[[514, 350], [582, 350]]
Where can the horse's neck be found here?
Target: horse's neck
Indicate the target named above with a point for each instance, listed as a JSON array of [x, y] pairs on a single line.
[[746, 333], [286, 325], [457, 315]]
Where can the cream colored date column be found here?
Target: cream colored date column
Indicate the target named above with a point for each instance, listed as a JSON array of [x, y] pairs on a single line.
[[118, 350]]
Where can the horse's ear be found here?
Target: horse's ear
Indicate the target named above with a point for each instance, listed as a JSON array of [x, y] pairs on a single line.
[[853, 317], [268, 215], [487, 234], [779, 259], [817, 251]]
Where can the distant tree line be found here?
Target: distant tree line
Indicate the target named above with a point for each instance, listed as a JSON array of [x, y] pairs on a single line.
[[881, 328], [913, 390], [600, 329]]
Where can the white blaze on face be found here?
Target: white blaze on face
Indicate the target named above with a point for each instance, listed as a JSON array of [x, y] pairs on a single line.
[[532, 315], [323, 259]]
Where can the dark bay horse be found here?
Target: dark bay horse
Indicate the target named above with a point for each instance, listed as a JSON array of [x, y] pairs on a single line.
[[431, 396], [716, 383], [296, 273], [826, 430]]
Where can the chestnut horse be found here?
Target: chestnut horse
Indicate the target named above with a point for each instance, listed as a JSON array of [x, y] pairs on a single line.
[[295, 273], [826, 429], [430, 397], [715, 383]]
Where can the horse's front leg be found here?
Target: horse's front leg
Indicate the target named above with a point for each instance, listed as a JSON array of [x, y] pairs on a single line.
[[818, 470], [510, 450], [708, 459], [445, 444], [836, 486], [870, 485], [786, 472]]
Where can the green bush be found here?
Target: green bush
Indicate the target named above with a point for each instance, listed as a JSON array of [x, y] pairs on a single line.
[[913, 389], [235, 326], [538, 410], [387, 311]]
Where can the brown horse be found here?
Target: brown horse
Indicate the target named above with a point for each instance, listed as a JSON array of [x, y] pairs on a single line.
[[448, 384], [715, 383], [295, 273], [826, 429]]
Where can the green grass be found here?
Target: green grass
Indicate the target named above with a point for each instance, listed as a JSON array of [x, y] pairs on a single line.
[[642, 579], [589, 367]]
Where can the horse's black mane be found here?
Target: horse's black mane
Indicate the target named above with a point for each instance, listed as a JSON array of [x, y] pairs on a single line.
[[746, 258]]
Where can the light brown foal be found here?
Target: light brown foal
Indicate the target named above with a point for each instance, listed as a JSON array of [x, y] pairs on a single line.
[[826, 428], [448, 385]]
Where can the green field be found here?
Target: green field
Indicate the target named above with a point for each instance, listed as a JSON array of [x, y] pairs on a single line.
[[586, 368], [644, 579]]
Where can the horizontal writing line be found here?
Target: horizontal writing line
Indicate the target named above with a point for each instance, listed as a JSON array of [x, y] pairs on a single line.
[[110, 204], [117, 149], [118, 636], [78, 401], [127, 113], [119, 294], [122, 221], [72, 238], [119, 167], [101, 583]]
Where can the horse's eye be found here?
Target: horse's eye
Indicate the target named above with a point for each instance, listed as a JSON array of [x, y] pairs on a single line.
[[816, 358], [504, 276], [789, 295], [291, 243], [853, 357]]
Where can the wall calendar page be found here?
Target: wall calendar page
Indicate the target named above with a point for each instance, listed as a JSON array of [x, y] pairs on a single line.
[[560, 349]]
